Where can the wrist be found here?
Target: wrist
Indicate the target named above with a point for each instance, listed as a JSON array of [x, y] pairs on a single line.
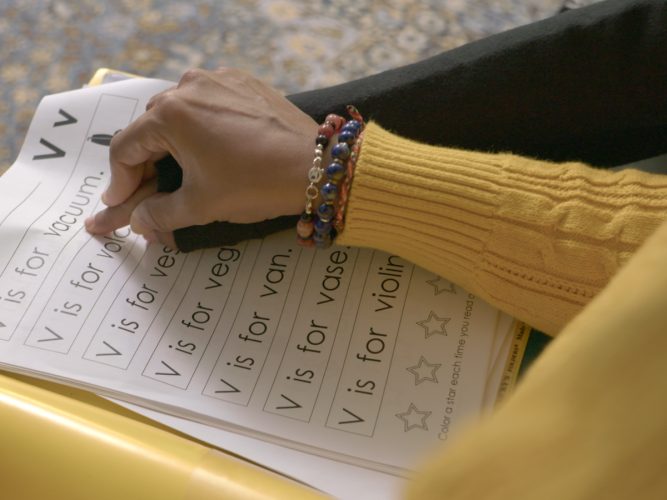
[[324, 208]]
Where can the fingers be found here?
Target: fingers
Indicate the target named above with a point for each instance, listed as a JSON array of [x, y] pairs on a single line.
[[131, 148], [165, 212], [117, 216], [112, 218], [166, 239]]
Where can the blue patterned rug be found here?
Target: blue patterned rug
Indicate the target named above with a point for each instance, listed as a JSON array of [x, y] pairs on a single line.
[[51, 46]]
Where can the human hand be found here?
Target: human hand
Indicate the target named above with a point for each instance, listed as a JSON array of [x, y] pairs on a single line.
[[244, 149]]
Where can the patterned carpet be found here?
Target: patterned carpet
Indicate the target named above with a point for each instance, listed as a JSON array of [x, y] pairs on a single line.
[[53, 45]]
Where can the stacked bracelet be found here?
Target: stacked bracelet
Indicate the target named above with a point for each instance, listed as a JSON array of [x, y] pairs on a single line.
[[339, 222], [305, 227], [320, 228]]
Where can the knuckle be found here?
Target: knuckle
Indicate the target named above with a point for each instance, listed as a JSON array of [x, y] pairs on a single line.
[[191, 75], [226, 71], [221, 70], [122, 211], [170, 106], [243, 76], [235, 75], [157, 98]]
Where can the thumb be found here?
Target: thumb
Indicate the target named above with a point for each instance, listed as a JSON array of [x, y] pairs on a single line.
[[163, 213]]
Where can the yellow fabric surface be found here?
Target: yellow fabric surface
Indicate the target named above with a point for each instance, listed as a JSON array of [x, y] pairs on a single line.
[[55, 446], [539, 240], [589, 420]]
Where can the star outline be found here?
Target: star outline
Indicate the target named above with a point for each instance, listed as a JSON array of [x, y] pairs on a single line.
[[425, 325], [412, 410], [415, 370]]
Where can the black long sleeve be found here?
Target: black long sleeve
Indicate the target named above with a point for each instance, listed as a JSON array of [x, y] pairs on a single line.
[[588, 84]]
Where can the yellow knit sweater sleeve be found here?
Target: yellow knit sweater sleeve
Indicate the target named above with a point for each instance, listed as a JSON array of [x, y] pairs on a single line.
[[589, 419], [537, 239]]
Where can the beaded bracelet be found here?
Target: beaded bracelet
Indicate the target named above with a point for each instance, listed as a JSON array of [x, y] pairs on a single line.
[[339, 221], [305, 227], [319, 229]]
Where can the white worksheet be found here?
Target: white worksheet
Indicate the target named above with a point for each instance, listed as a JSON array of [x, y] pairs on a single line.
[[350, 354]]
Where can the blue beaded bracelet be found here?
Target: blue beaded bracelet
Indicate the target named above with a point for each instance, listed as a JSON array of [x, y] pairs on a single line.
[[319, 228], [306, 226]]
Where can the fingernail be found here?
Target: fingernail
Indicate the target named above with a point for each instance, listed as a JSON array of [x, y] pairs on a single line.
[[89, 223], [104, 198], [150, 237]]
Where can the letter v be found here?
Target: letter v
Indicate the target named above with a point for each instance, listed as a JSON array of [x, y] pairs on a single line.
[[171, 371], [112, 352], [69, 119], [54, 336], [56, 151], [293, 406]]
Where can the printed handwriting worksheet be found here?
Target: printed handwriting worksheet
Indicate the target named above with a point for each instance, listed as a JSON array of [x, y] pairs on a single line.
[[347, 353]]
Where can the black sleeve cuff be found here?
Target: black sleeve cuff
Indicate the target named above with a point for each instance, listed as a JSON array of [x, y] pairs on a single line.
[[169, 178]]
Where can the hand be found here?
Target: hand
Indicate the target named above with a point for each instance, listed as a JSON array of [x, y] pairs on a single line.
[[245, 151]]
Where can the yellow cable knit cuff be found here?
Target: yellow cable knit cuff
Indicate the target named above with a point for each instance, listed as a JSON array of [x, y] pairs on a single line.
[[535, 238]]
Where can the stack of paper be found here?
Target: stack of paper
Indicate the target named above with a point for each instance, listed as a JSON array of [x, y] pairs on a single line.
[[345, 361]]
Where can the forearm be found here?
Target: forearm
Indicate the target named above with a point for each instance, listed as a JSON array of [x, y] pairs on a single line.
[[586, 85], [588, 419], [537, 239]]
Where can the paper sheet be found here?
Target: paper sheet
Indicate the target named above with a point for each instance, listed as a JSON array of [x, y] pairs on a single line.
[[350, 354], [338, 479]]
